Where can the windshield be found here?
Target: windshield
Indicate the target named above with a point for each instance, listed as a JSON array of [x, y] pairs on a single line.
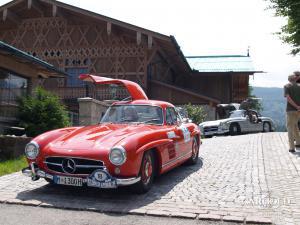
[[133, 114], [237, 113]]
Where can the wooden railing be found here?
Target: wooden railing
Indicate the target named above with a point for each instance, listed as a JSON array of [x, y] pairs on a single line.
[[99, 93]]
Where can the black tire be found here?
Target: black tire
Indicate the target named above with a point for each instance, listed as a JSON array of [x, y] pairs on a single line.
[[147, 166], [208, 136], [234, 129], [195, 153], [267, 127]]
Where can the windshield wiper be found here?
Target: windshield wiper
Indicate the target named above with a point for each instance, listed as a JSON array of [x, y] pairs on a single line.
[[147, 121]]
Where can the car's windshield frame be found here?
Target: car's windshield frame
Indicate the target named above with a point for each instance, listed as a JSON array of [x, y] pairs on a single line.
[[137, 122], [242, 113]]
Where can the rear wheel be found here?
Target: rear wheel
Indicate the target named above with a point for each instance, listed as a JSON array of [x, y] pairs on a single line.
[[147, 172], [195, 153], [234, 129], [267, 127]]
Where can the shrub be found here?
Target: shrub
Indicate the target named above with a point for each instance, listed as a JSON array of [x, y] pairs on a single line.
[[195, 112], [41, 112]]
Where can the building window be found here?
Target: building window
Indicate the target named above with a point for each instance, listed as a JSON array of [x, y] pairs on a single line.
[[73, 80], [11, 87]]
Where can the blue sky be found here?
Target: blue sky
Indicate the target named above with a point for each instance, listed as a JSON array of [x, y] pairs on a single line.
[[211, 27]]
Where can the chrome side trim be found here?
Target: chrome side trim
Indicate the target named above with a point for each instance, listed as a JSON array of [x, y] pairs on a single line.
[[176, 159]]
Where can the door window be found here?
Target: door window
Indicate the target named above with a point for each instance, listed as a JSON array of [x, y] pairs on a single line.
[[172, 116]]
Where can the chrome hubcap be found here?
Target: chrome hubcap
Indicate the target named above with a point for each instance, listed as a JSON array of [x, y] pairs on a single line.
[[194, 150], [147, 170]]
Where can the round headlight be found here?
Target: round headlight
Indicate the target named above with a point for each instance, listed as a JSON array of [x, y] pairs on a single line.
[[117, 156], [32, 150]]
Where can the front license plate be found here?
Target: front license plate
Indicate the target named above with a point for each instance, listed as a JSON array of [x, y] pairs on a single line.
[[94, 183], [71, 181]]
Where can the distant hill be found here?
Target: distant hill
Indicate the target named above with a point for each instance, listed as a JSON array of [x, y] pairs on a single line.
[[274, 105]]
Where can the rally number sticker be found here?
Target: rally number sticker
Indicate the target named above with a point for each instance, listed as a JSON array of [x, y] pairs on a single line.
[[186, 133]]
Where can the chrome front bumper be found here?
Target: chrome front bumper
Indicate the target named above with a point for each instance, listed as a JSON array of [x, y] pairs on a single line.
[[36, 174]]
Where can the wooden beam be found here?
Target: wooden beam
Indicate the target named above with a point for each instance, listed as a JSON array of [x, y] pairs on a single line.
[[33, 4], [152, 54], [104, 18], [54, 10], [29, 4], [138, 38], [4, 17], [150, 41], [108, 28], [23, 69], [8, 15]]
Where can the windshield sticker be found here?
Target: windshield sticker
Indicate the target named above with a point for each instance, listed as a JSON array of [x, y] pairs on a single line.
[[171, 134]]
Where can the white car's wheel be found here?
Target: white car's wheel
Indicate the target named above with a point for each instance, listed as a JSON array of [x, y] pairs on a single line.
[[234, 129], [267, 127]]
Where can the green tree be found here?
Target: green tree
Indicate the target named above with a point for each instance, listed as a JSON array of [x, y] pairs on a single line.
[[195, 112], [41, 112], [290, 32], [253, 102]]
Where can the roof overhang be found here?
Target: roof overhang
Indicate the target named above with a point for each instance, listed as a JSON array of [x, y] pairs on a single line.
[[168, 44], [24, 64], [222, 64], [196, 72]]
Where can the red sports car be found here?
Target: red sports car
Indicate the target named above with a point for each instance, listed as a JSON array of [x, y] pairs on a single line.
[[135, 141]]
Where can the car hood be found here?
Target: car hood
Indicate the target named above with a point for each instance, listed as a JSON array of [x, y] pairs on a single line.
[[98, 137], [213, 123]]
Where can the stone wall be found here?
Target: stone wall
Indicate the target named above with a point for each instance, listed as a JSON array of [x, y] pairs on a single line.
[[91, 110], [12, 147], [210, 112]]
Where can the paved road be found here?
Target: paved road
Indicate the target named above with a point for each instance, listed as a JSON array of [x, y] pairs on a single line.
[[249, 178], [27, 215]]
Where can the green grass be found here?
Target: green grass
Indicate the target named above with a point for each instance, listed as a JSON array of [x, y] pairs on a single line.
[[12, 165]]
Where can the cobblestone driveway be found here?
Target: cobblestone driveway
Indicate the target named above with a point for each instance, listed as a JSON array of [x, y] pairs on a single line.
[[249, 178]]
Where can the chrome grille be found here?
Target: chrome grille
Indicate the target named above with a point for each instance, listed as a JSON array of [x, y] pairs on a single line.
[[82, 165]]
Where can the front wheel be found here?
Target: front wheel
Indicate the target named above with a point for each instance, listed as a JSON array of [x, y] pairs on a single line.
[[146, 173], [234, 129], [267, 127], [195, 153]]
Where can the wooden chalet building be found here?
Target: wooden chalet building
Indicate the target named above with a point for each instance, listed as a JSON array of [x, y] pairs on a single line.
[[79, 41]]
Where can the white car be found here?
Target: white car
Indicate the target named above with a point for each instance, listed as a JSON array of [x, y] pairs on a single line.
[[239, 121]]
